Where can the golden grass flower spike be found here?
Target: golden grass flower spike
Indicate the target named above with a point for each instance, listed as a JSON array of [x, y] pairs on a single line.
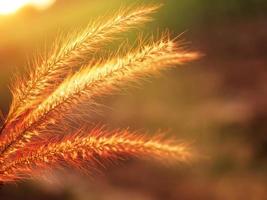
[[69, 53], [108, 76], [90, 150]]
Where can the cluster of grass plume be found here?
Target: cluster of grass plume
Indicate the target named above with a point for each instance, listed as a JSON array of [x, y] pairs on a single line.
[[71, 76]]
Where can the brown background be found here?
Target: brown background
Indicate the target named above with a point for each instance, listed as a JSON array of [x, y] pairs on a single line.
[[218, 103]]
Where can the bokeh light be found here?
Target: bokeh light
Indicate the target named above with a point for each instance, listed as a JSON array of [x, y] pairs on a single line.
[[9, 7]]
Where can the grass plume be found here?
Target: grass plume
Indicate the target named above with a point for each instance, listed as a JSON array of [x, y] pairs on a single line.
[[69, 53], [94, 148]]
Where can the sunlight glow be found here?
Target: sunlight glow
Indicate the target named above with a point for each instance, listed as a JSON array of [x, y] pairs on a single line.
[[11, 6]]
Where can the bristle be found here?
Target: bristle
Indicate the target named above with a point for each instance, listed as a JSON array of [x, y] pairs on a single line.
[[2, 119], [72, 52], [84, 150]]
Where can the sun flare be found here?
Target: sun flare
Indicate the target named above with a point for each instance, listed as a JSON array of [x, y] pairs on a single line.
[[11, 6]]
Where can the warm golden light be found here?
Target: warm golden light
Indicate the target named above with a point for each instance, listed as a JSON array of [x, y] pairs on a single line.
[[11, 6]]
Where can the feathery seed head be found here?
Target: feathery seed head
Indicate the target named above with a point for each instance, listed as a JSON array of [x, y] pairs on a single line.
[[96, 146], [68, 53]]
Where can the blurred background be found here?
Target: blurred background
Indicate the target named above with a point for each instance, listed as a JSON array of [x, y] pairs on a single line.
[[218, 104]]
